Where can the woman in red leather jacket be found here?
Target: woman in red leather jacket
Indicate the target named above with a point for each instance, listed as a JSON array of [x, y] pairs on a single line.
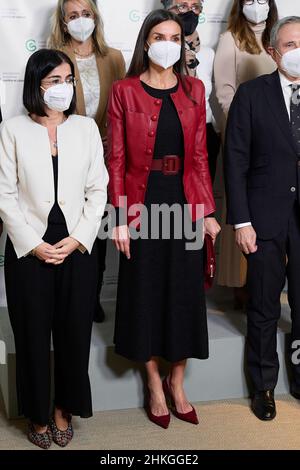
[[157, 156]]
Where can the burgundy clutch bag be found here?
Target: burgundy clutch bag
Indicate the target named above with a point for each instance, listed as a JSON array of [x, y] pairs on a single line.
[[209, 262]]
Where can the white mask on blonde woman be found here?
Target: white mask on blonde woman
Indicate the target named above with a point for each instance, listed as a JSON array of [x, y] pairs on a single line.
[[81, 28]]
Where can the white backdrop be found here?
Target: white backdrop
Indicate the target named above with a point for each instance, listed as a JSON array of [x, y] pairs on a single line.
[[24, 28]]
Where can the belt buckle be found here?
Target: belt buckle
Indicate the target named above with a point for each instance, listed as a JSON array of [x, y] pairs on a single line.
[[170, 165]]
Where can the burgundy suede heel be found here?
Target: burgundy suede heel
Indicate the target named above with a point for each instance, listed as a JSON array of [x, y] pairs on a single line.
[[189, 417]]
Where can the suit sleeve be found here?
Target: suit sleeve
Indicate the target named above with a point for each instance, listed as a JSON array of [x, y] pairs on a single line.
[[225, 71], [121, 72], [237, 158]]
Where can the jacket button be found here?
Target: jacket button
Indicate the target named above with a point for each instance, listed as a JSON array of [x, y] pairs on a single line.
[[142, 186], [157, 102], [149, 151], [147, 168], [151, 133], [61, 203], [154, 117], [293, 189]]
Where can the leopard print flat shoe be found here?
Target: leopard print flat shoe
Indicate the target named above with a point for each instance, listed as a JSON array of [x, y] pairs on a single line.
[[62, 438], [42, 440]]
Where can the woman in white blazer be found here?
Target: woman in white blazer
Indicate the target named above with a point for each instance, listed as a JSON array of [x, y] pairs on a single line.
[[52, 196]]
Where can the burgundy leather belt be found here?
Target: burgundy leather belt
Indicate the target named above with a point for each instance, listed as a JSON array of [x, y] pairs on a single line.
[[168, 164]]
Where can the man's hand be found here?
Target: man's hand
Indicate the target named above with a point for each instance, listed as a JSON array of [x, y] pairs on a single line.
[[245, 238]]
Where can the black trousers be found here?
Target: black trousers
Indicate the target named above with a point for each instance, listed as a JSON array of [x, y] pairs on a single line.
[[213, 148], [102, 249], [44, 299], [267, 271]]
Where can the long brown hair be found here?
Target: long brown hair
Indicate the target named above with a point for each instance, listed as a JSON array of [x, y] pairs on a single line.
[[244, 36], [60, 37], [140, 60]]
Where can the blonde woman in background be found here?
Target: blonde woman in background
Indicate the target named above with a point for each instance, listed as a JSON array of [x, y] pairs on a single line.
[[241, 55], [77, 30]]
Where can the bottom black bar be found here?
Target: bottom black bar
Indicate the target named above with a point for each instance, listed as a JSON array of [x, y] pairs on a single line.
[[133, 459]]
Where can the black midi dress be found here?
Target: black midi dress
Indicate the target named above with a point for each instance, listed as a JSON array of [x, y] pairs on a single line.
[[161, 307]]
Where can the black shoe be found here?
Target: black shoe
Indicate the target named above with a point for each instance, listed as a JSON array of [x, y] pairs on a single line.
[[295, 394], [263, 405], [99, 314]]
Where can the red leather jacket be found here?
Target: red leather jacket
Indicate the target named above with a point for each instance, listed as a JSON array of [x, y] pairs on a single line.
[[132, 122]]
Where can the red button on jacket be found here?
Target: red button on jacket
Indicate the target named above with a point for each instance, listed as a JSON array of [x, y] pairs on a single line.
[[130, 111]]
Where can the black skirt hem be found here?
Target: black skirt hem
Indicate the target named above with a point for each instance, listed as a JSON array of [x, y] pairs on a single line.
[[161, 356]]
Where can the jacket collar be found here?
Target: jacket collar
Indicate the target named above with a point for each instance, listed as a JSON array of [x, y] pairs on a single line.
[[181, 100]]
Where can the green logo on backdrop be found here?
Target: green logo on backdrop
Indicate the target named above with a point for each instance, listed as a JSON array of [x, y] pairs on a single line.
[[1, 261], [31, 45], [202, 18]]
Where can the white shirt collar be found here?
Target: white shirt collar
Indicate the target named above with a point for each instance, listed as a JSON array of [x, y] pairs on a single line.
[[285, 82]]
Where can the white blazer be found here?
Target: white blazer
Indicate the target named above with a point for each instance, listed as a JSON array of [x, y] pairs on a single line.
[[27, 181]]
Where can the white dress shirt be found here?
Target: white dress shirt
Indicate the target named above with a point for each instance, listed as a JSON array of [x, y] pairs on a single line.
[[89, 76], [287, 94]]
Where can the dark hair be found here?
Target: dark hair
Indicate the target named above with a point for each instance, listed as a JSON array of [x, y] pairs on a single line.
[[243, 34], [39, 65], [140, 59], [167, 3]]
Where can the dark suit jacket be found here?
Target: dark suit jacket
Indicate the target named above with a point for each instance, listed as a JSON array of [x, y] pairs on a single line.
[[261, 161]]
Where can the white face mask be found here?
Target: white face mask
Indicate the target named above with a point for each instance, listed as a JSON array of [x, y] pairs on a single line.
[[81, 28], [256, 13], [290, 62], [59, 97], [164, 53]]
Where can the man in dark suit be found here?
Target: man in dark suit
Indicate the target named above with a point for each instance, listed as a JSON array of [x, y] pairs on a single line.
[[262, 177]]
